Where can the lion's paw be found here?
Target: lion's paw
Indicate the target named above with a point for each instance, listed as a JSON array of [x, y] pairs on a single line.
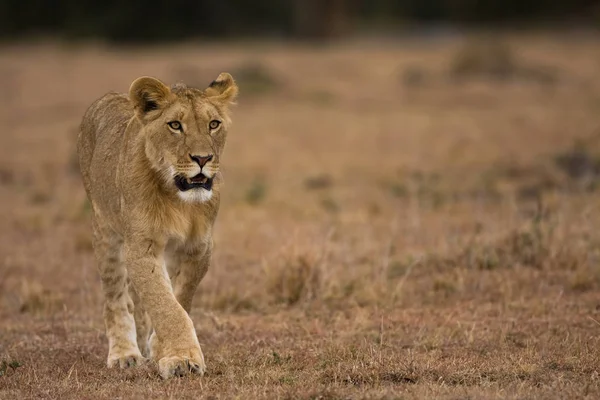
[[193, 363]]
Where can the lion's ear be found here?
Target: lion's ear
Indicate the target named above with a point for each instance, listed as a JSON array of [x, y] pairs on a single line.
[[223, 89], [148, 94]]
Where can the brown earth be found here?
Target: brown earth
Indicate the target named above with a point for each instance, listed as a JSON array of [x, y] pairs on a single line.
[[412, 219]]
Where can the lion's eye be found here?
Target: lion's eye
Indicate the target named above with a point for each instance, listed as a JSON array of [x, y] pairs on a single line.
[[175, 125], [214, 124]]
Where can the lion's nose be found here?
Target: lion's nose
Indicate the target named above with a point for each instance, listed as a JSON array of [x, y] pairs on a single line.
[[201, 160]]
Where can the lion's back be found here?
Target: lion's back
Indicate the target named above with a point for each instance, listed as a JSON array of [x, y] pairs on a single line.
[[101, 132]]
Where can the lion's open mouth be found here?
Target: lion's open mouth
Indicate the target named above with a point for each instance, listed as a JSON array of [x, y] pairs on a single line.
[[199, 181]]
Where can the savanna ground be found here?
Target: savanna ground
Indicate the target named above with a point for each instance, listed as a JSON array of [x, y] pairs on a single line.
[[410, 219]]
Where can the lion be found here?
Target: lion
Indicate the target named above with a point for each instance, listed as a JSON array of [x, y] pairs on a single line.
[[150, 167]]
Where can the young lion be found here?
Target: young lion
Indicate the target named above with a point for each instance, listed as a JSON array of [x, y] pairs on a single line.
[[150, 166]]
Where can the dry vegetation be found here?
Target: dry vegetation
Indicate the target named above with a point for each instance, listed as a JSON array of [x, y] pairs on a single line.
[[409, 220]]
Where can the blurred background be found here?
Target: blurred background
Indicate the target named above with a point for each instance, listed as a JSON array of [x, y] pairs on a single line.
[[427, 169], [310, 19]]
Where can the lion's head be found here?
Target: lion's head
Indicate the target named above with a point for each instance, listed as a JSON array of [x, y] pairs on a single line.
[[184, 131]]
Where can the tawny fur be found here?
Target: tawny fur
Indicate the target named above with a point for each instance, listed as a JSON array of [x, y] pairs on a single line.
[[153, 242]]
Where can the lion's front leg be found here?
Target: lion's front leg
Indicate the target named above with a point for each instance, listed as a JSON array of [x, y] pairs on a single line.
[[187, 265], [143, 325], [178, 351], [190, 264], [120, 327]]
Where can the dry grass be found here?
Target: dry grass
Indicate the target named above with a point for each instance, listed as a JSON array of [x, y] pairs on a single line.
[[381, 235]]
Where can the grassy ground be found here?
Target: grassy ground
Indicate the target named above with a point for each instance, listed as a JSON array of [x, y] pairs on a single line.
[[400, 220]]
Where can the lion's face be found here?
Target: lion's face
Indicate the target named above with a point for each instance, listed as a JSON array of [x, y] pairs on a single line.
[[184, 132]]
